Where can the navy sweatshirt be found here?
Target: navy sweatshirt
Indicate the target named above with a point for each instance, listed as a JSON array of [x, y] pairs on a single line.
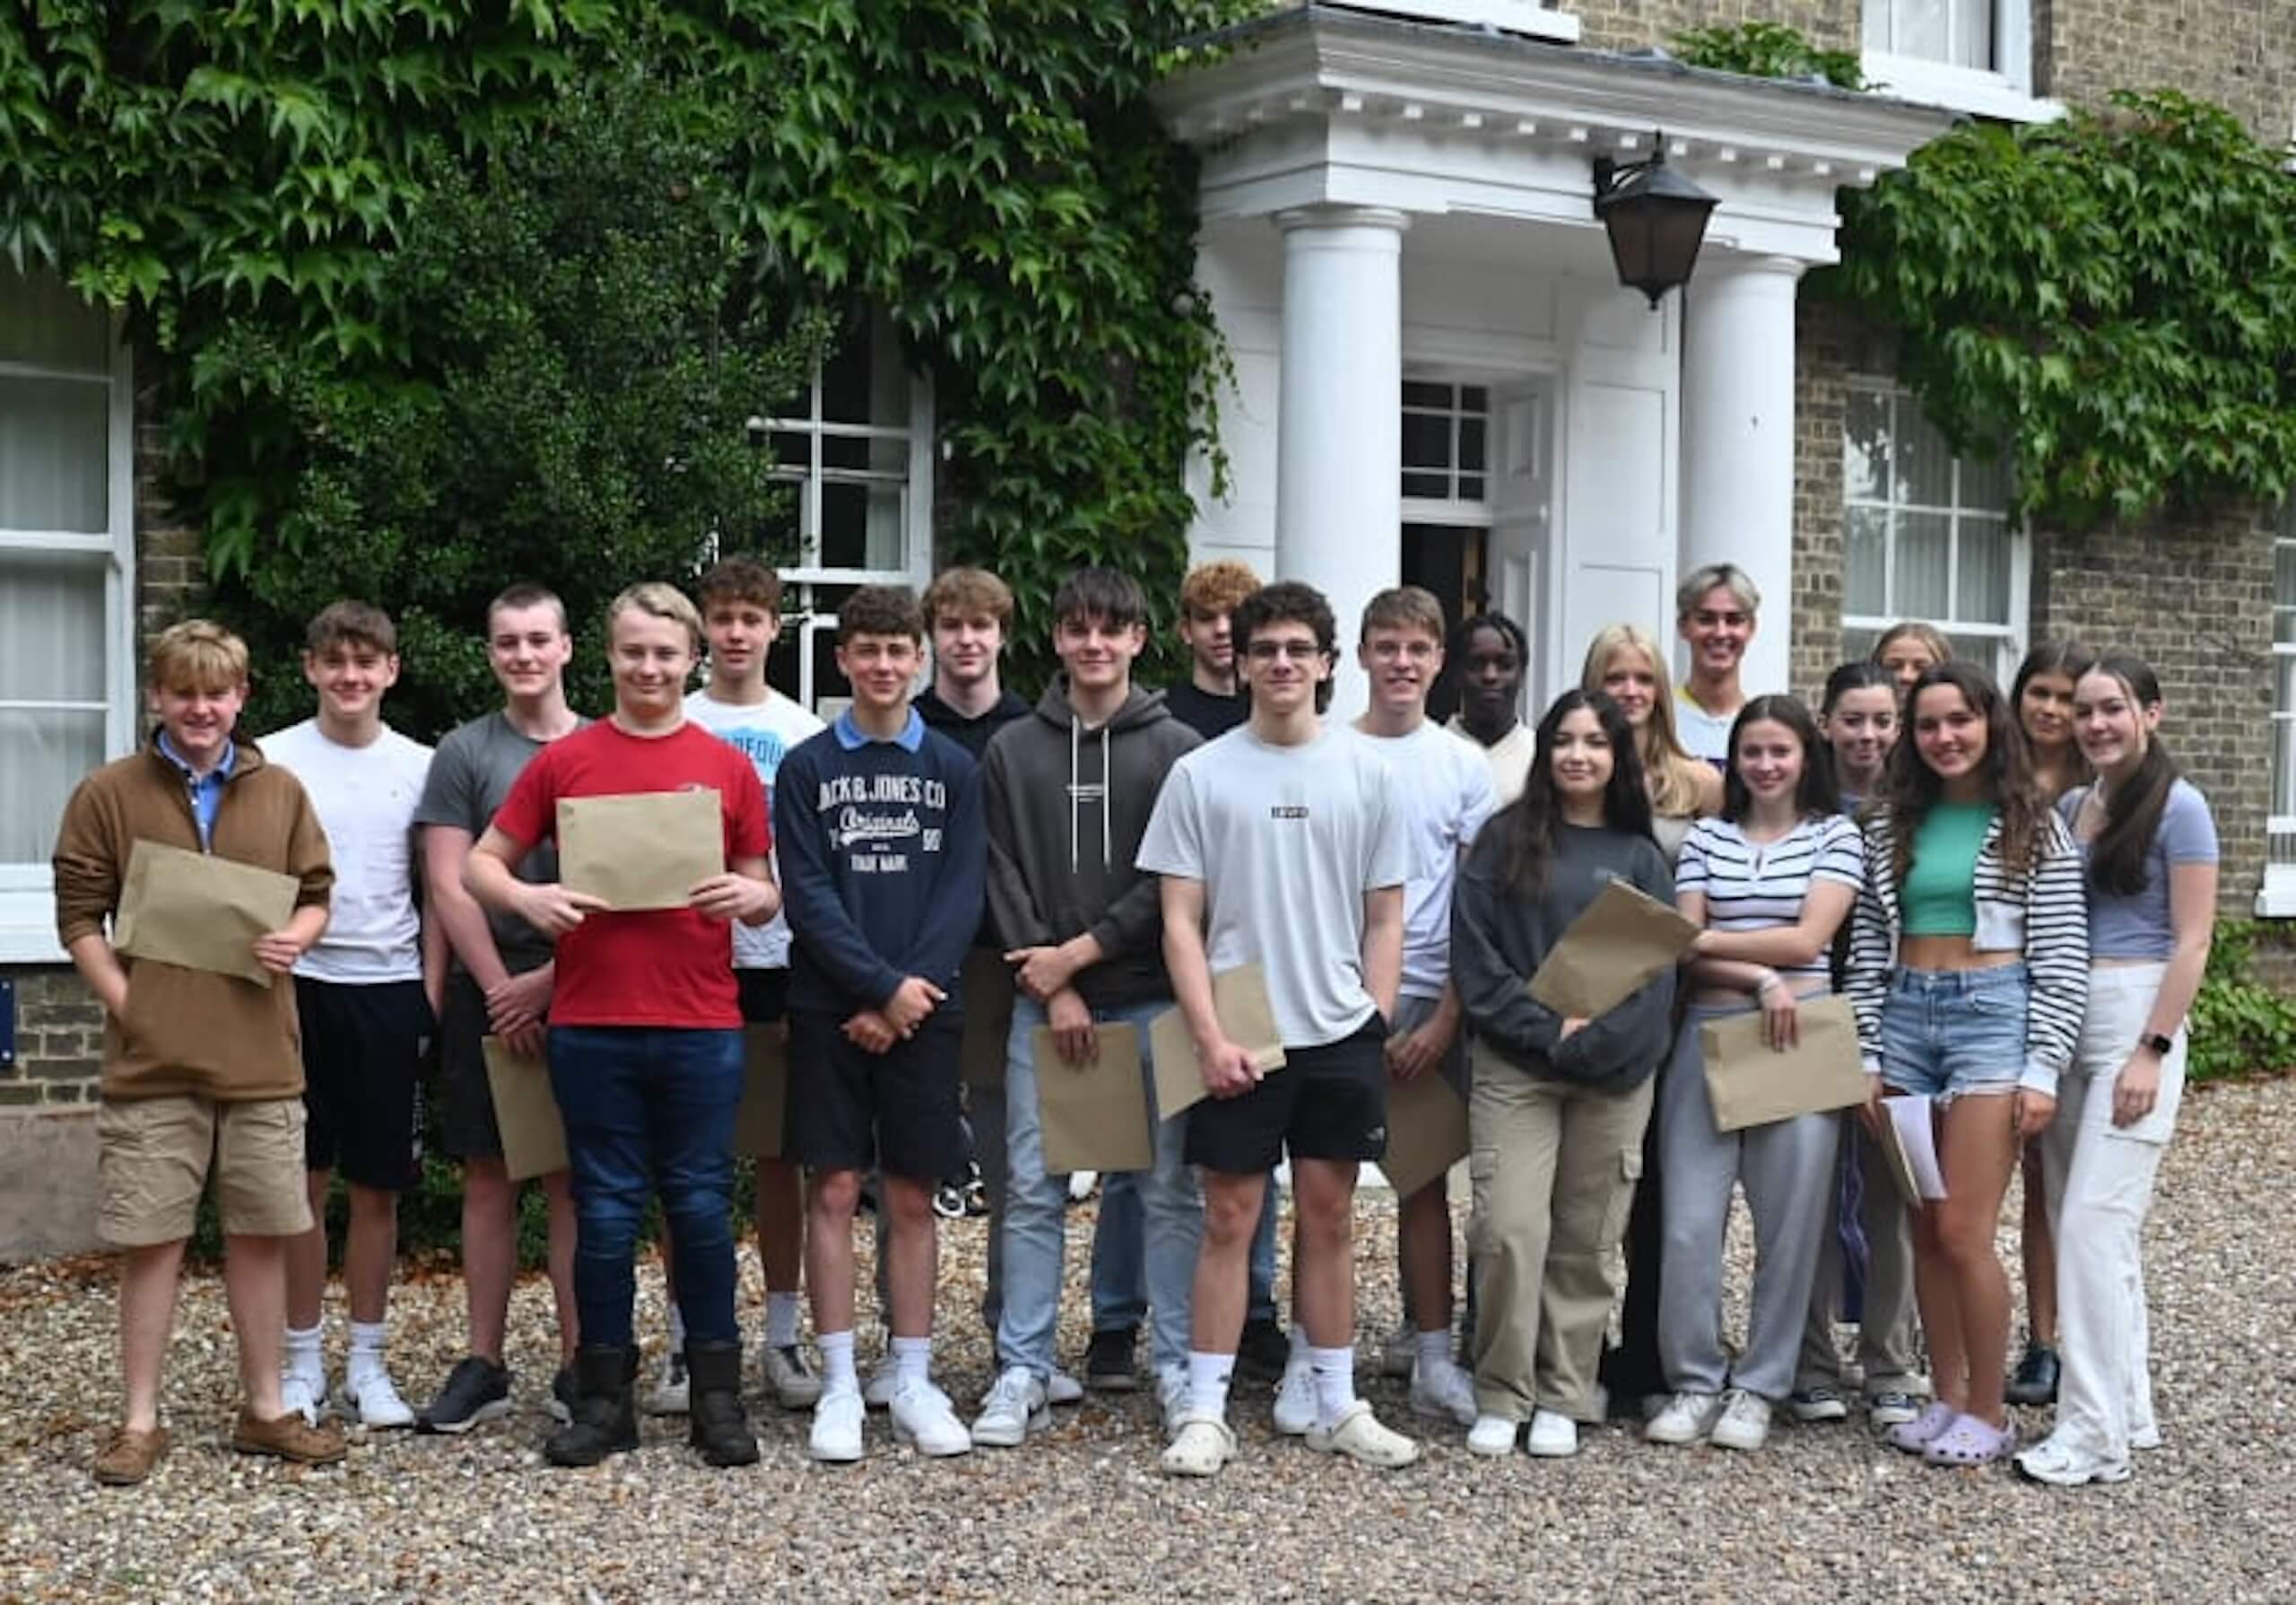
[[883, 859]]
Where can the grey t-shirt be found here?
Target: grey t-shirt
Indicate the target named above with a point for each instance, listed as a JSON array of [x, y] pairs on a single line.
[[1286, 841], [2139, 926], [470, 775]]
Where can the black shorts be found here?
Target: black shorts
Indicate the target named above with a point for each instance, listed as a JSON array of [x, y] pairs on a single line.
[[849, 1110], [765, 995], [467, 1124], [362, 1066], [1327, 1103]]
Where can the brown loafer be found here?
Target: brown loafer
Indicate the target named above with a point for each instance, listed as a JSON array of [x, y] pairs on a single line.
[[288, 1436], [127, 1457]]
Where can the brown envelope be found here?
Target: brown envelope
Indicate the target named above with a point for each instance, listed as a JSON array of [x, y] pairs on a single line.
[[765, 1093], [643, 851], [986, 985], [1751, 1084], [1094, 1115], [1240, 998], [533, 1136], [1427, 1131], [198, 911], [1612, 950]]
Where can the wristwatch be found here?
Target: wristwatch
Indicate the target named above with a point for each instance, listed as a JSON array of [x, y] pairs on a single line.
[[2159, 1044]]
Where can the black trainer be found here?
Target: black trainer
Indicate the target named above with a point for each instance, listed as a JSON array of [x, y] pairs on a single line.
[[715, 1423], [606, 1412], [1109, 1363], [2035, 1379], [1264, 1351], [476, 1390]]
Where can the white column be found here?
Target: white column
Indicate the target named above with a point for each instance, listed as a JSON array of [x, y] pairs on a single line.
[[1339, 424], [1738, 440]]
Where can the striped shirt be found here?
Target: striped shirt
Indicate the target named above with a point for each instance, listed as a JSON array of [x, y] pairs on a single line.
[[1760, 885], [2044, 917]]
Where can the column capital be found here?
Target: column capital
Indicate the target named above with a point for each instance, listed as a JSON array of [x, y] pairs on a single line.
[[1731, 264], [1299, 219]]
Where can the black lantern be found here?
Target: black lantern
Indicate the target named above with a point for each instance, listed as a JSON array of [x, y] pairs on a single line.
[[1655, 219]]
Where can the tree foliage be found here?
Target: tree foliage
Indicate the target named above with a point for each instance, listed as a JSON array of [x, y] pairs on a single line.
[[1768, 50]]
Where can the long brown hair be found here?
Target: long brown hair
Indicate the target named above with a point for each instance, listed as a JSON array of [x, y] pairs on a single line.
[[2005, 774], [1530, 828], [2133, 809]]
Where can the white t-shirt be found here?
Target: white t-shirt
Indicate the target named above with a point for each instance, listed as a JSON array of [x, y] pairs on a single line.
[[1447, 795], [365, 799], [766, 732], [1509, 759], [1286, 841], [1703, 735]]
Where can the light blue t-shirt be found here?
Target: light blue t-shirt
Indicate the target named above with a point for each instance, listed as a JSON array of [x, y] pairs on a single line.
[[2138, 926]]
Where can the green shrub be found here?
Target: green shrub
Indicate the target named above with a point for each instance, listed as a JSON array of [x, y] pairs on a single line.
[[2240, 1026]]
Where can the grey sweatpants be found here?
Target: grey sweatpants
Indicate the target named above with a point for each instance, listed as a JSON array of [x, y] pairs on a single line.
[[1787, 1168]]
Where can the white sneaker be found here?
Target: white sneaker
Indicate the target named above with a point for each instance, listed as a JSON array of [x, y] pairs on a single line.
[[368, 1398], [789, 1376], [837, 1427], [303, 1393], [670, 1396], [1553, 1435], [925, 1420], [1060, 1388], [1685, 1419], [1448, 1391], [2051, 1461], [1493, 1435], [1295, 1399], [1201, 1445], [883, 1383], [1358, 1436], [1014, 1408], [1744, 1423]]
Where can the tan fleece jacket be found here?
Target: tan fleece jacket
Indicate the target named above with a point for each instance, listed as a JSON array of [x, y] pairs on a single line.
[[190, 1031]]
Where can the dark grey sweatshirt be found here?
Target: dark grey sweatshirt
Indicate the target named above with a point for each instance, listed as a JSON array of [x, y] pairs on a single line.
[[1499, 940], [1067, 810]]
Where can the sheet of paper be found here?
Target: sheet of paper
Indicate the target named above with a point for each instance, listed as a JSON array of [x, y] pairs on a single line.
[[1427, 1131], [765, 1092], [1752, 1084], [533, 1136], [643, 849], [200, 912], [1610, 952], [1912, 1136], [1240, 998], [1094, 1115]]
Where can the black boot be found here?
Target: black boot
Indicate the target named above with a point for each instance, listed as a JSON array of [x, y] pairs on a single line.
[[2035, 1379], [715, 1423], [605, 1414]]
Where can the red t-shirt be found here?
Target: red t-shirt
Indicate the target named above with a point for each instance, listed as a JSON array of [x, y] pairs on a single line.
[[661, 967]]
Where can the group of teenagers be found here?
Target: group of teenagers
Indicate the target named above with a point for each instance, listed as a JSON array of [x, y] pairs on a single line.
[[943, 897]]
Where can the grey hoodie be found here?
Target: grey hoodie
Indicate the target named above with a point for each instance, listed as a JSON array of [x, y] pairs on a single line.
[[1067, 810]]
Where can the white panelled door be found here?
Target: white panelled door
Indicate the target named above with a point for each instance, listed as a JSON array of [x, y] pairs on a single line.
[[1522, 523]]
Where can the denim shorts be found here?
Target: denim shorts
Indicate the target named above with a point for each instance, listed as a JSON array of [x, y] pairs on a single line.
[[1946, 1034]]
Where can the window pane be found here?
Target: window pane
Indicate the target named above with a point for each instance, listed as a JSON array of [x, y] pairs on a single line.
[[1426, 440], [1866, 447], [48, 752], [1984, 483], [1921, 28], [1420, 393], [52, 632], [55, 455], [1471, 433], [43, 323], [1471, 487], [1858, 645], [2283, 755], [861, 525], [1973, 34], [1984, 578], [793, 448], [1474, 399], [2283, 573], [875, 454], [1865, 586], [864, 381], [1925, 462], [1923, 554], [1435, 487], [1877, 25]]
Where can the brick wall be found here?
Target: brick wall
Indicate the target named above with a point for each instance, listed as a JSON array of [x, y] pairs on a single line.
[[2239, 53], [1625, 25]]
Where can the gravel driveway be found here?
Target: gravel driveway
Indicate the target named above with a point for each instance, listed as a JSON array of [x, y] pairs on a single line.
[[1082, 1516]]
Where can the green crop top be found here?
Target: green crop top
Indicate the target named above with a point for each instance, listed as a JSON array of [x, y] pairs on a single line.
[[1939, 897]]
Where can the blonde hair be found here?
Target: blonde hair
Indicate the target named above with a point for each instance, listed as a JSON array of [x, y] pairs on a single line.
[[1940, 646], [198, 655], [1673, 773], [663, 602]]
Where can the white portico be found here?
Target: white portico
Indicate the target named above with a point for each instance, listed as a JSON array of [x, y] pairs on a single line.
[[1437, 377]]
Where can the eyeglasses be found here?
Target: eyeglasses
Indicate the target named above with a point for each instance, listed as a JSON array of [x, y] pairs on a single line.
[[1298, 651]]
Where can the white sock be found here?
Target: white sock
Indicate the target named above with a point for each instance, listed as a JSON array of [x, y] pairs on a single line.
[[301, 1354], [1434, 1351], [780, 1320], [366, 1348], [1335, 1383], [1299, 1343], [913, 1359], [677, 1328], [1207, 1382], [837, 1361]]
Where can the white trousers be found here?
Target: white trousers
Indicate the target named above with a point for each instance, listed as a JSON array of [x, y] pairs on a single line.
[[2099, 1181]]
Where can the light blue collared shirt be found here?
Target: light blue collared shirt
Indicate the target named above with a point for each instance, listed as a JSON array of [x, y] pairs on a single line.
[[850, 736], [206, 790]]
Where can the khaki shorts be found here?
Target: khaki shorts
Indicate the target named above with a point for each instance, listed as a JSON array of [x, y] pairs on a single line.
[[153, 1156]]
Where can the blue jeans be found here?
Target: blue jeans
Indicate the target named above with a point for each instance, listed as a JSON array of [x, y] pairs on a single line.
[[1947, 1033], [1120, 1278], [644, 1110], [1036, 1207]]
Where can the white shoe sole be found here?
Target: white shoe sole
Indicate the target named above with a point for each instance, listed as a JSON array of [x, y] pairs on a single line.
[[344, 1407], [1006, 1437], [492, 1411], [833, 1454], [941, 1449]]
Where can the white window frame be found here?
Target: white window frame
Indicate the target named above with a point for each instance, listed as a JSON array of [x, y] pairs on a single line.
[[28, 891], [2007, 640], [800, 614], [2005, 90], [2277, 898], [1508, 16]]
